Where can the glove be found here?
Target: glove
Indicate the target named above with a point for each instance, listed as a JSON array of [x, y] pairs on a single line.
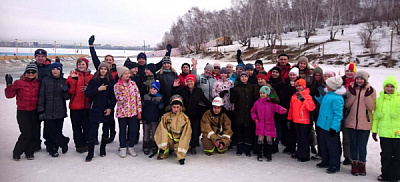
[[238, 54], [369, 91], [91, 40], [332, 132], [182, 161], [352, 90], [169, 47], [222, 94], [66, 87], [300, 97], [9, 79], [42, 117], [374, 137]]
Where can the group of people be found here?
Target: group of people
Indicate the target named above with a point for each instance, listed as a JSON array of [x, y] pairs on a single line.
[[302, 107]]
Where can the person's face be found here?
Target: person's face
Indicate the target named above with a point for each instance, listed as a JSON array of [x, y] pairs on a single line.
[[258, 67], [261, 81], [274, 74], [292, 76], [283, 60], [147, 72], [190, 83], [263, 95], [207, 72], [318, 76], [360, 81], [326, 76], [167, 66], [141, 61], [125, 76], [103, 71], [217, 69], [349, 73], [223, 76], [153, 91], [185, 69], [244, 79], [302, 65], [56, 72], [250, 72], [109, 60], [217, 109], [81, 66], [229, 68], [175, 108], [134, 70], [40, 58], [239, 71], [31, 74], [389, 89], [299, 88]]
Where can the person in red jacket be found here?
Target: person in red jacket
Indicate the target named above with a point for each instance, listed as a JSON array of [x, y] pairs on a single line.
[[301, 104], [26, 90], [79, 104], [283, 64]]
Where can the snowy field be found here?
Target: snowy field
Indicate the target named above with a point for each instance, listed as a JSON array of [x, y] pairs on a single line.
[[227, 167]]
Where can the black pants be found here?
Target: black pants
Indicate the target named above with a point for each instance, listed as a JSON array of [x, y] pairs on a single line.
[[390, 158], [110, 127], [291, 138], [80, 126], [53, 129], [244, 138], [195, 125], [330, 149], [303, 140], [93, 131], [27, 122]]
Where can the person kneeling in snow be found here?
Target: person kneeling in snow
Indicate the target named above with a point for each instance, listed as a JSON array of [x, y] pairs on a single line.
[[174, 131], [216, 128]]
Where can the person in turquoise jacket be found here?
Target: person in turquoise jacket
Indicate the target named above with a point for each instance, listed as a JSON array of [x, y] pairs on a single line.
[[386, 123], [329, 120]]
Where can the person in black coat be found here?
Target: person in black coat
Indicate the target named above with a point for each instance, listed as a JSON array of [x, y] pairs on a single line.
[[192, 95], [167, 77], [100, 90], [52, 109]]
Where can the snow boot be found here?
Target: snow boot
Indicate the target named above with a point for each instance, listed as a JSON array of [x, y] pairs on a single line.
[[146, 147], [16, 157], [354, 168], [90, 155], [346, 162], [268, 152], [239, 149], [332, 170], [361, 169], [259, 149], [275, 148], [64, 149], [103, 147]]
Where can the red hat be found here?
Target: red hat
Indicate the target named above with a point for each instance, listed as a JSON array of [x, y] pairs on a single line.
[[84, 59], [190, 77], [262, 75], [301, 82]]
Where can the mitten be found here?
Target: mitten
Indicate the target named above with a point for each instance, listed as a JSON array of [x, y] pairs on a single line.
[[300, 97], [374, 137], [66, 87], [352, 90], [369, 91], [9, 79], [91, 40]]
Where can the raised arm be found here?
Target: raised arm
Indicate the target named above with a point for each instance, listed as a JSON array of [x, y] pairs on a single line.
[[95, 59]]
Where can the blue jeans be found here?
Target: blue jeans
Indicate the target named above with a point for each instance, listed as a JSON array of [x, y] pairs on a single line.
[[358, 147], [131, 124]]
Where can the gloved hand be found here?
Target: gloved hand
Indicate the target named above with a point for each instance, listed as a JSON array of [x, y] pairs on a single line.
[[332, 132], [182, 161], [66, 87], [300, 97], [374, 137], [288, 125], [352, 90], [9, 79], [42, 117], [160, 153], [222, 94], [238, 54], [91, 40], [169, 47], [369, 91]]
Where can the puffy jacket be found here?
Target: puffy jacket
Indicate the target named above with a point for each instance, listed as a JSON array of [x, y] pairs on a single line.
[[299, 111], [153, 107], [167, 81], [284, 72], [216, 127], [191, 101], [361, 107], [221, 85], [263, 111], [101, 100], [52, 99], [243, 96], [128, 99], [386, 120], [182, 78], [27, 92], [78, 99], [331, 111], [43, 71], [206, 84]]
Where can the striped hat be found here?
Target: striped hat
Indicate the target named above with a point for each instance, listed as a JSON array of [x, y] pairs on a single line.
[[31, 66]]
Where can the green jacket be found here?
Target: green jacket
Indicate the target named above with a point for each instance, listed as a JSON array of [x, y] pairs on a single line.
[[386, 120]]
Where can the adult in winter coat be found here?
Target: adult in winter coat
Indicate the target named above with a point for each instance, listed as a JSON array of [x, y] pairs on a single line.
[[79, 104], [205, 82], [361, 102], [150, 73], [52, 108], [174, 131], [249, 68], [167, 76], [26, 90], [185, 71], [216, 128], [386, 124], [216, 70], [283, 64], [192, 95], [304, 68], [100, 91]]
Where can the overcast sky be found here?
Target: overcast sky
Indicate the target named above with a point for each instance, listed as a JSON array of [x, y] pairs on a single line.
[[119, 22]]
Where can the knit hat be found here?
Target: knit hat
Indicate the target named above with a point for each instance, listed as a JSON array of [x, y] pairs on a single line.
[[266, 90], [248, 66], [209, 66], [244, 73], [334, 82], [259, 62], [151, 67], [217, 102], [141, 55], [176, 99], [41, 51], [240, 66], [31, 66], [224, 70], [104, 64], [351, 66], [362, 74], [301, 82], [190, 77], [276, 68], [166, 59], [302, 59], [262, 75], [231, 65], [295, 70], [130, 64], [155, 85], [187, 64], [217, 65], [56, 65], [330, 73], [83, 59], [317, 70], [121, 70]]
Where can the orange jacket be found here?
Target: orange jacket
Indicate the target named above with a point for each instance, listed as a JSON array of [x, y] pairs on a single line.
[[78, 99], [299, 112]]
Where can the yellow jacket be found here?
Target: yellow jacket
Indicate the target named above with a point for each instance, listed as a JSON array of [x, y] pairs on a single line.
[[216, 127]]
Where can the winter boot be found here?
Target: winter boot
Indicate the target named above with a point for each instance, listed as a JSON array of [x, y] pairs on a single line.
[[122, 152], [354, 168], [239, 149], [29, 156], [361, 169], [64, 149], [16, 157], [259, 149], [146, 147], [132, 152], [346, 162], [90, 155], [268, 152], [103, 147], [275, 148]]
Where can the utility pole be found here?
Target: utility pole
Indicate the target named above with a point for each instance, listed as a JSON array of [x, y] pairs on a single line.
[[55, 48], [75, 49], [16, 44], [391, 45], [144, 46], [81, 49]]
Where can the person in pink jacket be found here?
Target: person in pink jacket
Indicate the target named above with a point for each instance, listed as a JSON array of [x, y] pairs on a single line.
[[360, 102], [129, 110], [263, 114]]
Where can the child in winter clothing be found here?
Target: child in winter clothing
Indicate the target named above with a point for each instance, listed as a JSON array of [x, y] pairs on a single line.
[[153, 107], [26, 90], [52, 109], [386, 123], [301, 105], [129, 110], [329, 121], [216, 128], [361, 102], [174, 131], [263, 115]]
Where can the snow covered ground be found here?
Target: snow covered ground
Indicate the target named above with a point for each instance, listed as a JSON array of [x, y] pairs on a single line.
[[227, 167]]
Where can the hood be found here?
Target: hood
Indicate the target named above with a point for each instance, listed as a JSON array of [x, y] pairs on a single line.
[[391, 80]]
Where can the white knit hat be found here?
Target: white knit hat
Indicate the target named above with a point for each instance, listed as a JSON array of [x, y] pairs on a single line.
[[121, 70], [334, 82], [295, 70]]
